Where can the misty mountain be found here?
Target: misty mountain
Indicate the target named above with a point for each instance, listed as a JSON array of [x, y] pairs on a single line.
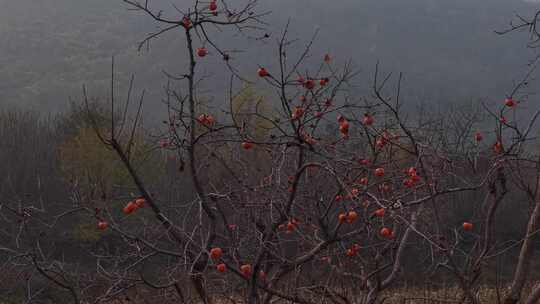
[[447, 49]]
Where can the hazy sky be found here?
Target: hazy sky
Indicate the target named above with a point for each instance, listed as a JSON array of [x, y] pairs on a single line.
[[447, 48]]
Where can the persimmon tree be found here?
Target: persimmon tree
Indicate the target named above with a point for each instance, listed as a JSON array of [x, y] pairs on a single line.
[[526, 174], [304, 192], [358, 186]]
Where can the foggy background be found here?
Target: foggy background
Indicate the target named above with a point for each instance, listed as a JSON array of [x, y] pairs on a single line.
[[447, 48]]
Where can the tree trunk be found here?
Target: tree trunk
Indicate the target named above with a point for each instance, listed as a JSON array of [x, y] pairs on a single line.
[[372, 295], [534, 297], [523, 266]]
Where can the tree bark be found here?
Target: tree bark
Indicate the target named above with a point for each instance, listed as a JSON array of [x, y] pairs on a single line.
[[523, 266], [534, 297]]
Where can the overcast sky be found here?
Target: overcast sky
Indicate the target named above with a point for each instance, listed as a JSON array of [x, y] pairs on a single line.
[[446, 48]]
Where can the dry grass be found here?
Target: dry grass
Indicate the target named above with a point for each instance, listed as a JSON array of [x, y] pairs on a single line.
[[436, 296], [448, 295]]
